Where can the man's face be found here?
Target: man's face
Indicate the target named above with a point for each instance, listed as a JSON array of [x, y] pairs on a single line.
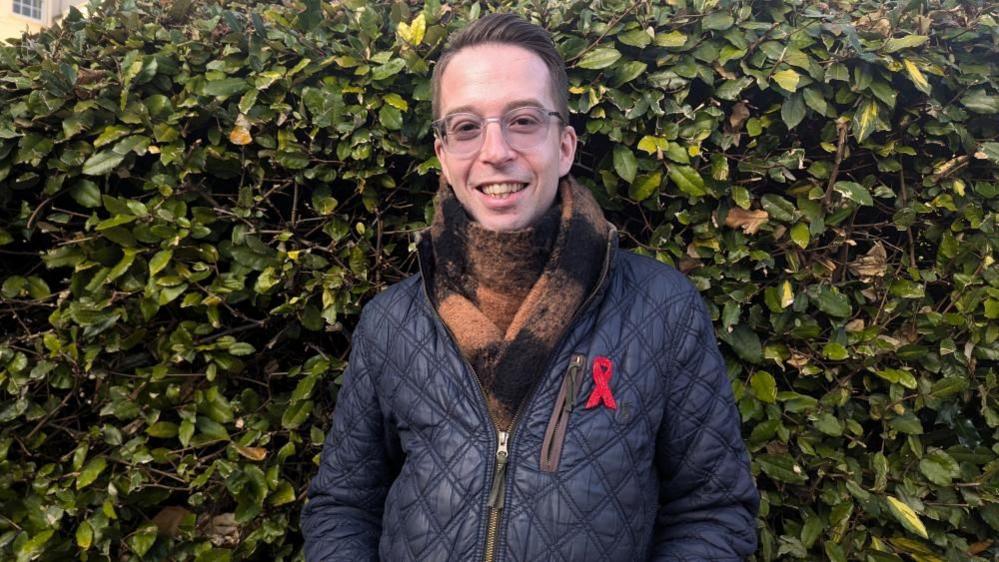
[[489, 80]]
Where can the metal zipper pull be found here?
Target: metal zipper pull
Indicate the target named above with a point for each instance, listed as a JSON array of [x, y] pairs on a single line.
[[571, 389], [499, 478]]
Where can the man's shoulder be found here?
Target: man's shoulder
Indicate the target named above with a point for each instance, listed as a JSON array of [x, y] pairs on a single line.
[[396, 303], [651, 279]]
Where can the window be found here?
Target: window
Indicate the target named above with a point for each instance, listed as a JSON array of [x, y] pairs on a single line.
[[29, 8]]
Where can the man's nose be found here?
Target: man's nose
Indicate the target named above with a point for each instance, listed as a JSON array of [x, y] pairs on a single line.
[[495, 149]]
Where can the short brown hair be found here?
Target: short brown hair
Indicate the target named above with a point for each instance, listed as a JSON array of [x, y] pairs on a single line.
[[508, 29]]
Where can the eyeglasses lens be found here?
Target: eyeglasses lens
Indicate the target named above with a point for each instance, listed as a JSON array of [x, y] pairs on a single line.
[[522, 128]]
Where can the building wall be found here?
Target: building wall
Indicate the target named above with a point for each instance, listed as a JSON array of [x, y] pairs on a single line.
[[13, 25]]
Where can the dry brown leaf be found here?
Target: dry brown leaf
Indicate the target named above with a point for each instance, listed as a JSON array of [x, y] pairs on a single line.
[[749, 221], [872, 264], [240, 133], [797, 360], [979, 547], [169, 519], [855, 325], [686, 265], [739, 115], [252, 453]]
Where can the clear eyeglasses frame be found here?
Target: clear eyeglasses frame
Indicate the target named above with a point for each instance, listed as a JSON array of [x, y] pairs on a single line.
[[523, 128]]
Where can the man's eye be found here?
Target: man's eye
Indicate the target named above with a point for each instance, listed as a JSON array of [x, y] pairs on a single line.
[[521, 122], [465, 128]]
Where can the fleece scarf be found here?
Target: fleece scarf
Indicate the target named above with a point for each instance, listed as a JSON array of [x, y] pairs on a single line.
[[509, 296]]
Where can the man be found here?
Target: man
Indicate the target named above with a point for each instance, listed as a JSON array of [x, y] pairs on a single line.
[[535, 393]]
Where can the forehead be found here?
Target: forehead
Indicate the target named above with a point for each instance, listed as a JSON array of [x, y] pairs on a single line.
[[492, 77]]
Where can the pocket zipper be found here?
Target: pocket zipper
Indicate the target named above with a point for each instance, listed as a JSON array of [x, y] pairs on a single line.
[[558, 423]]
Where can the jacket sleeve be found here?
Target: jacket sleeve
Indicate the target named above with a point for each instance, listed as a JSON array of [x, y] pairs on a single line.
[[342, 519], [707, 500]]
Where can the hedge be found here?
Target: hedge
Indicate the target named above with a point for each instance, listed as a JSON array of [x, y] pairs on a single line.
[[196, 198]]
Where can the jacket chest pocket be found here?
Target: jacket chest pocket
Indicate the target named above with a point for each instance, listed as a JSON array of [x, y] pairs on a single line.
[[558, 422]]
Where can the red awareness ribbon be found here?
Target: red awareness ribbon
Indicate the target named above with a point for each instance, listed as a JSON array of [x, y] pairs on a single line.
[[602, 373]]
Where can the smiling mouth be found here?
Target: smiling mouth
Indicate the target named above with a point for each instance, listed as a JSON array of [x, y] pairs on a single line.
[[501, 190]]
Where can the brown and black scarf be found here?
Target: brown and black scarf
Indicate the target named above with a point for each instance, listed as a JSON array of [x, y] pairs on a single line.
[[508, 296]]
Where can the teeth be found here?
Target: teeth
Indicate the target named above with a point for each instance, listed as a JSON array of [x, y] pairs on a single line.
[[502, 190]]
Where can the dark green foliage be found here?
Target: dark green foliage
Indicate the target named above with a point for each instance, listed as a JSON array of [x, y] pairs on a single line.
[[197, 197]]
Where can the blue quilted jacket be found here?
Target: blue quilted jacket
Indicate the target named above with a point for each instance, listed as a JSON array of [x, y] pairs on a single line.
[[413, 469]]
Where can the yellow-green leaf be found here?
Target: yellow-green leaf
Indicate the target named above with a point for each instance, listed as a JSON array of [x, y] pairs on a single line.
[[786, 295], [413, 32], [688, 180], [159, 261], [906, 516], [916, 76], [599, 58], [787, 79], [91, 472], [865, 119], [764, 387], [645, 186], [800, 235], [671, 39], [84, 535], [906, 42]]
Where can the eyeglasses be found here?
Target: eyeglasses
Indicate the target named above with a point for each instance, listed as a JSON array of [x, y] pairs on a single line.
[[523, 128]]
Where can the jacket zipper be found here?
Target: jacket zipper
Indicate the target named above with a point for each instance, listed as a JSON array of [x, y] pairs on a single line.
[[497, 492], [551, 448]]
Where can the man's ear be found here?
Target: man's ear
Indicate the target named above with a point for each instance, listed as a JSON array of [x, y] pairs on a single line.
[[442, 158], [567, 150]]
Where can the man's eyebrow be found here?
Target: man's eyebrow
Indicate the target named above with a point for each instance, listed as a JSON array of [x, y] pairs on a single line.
[[526, 102]]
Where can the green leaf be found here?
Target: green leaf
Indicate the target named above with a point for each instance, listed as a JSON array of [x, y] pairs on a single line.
[[940, 468], [906, 516], [90, 472], [898, 376], [718, 20], [102, 163], [142, 540], [792, 111], [159, 261], [854, 192], [628, 71], [800, 235], [991, 151], [390, 117], [635, 38], [598, 58], [86, 193], [781, 468], [671, 39], [390, 68], [834, 303], [225, 87], [907, 423], [828, 424], [625, 163], [787, 79], [815, 100], [687, 179], [84, 535], [980, 102], [746, 344], [162, 429], [645, 186], [778, 208], [892, 45], [241, 348], [764, 387]]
